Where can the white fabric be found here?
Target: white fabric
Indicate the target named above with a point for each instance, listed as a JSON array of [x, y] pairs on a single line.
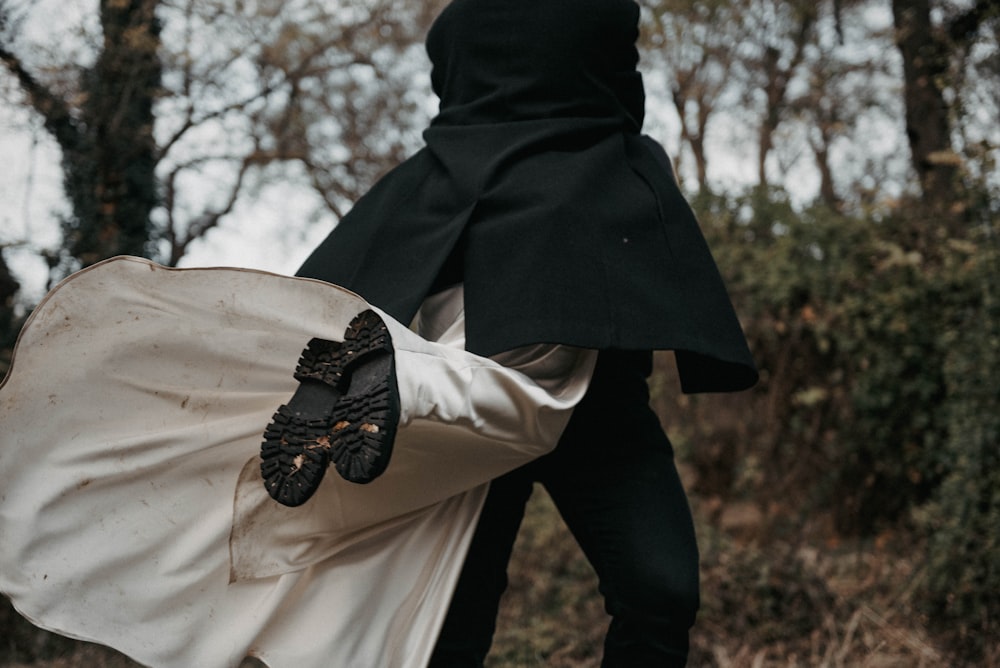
[[558, 369], [131, 507]]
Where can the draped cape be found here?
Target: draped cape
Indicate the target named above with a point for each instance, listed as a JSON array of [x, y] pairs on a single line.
[[132, 512], [536, 189]]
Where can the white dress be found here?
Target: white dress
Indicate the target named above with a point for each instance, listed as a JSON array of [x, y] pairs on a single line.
[[132, 511]]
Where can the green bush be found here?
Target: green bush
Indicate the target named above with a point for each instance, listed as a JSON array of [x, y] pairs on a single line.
[[878, 339], [962, 522]]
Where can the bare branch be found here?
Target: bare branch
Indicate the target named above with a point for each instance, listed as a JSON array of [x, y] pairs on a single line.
[[208, 219], [55, 112]]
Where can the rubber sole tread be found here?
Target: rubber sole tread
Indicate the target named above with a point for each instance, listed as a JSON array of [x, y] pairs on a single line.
[[345, 411]]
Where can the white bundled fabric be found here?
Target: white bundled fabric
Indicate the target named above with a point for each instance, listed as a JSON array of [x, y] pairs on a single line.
[[131, 507]]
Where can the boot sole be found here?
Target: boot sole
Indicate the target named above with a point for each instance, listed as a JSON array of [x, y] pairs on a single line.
[[345, 411]]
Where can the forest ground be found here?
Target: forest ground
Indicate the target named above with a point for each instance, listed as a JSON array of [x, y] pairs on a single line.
[[776, 603]]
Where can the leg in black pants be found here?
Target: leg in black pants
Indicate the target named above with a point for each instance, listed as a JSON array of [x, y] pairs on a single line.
[[614, 481], [467, 633]]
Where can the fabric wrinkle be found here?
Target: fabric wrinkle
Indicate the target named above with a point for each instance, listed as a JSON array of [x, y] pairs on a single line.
[[179, 531]]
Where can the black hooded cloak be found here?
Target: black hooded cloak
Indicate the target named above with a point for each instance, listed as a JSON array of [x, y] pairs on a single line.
[[538, 192]]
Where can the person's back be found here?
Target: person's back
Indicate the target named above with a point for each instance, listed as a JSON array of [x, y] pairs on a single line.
[[537, 194]]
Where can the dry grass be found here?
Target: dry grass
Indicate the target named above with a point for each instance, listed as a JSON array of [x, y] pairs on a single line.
[[551, 614], [774, 606], [765, 605]]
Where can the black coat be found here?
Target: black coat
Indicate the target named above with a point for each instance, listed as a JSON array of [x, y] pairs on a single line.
[[537, 190]]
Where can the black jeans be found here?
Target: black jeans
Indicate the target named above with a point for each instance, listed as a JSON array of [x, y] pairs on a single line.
[[613, 479]]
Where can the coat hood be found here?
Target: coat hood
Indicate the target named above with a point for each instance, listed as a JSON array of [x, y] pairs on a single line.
[[496, 61]]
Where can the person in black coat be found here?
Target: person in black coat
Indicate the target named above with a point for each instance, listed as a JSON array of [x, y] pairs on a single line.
[[538, 194]]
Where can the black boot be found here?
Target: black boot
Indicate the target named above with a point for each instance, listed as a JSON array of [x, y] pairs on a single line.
[[345, 410]]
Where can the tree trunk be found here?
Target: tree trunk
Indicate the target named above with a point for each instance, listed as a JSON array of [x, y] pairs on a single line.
[[925, 65], [695, 138], [827, 191], [110, 173], [776, 83], [8, 328]]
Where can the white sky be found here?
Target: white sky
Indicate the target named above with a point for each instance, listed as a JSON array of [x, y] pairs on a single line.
[[275, 229]]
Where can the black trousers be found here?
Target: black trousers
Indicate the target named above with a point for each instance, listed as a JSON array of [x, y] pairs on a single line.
[[613, 479]]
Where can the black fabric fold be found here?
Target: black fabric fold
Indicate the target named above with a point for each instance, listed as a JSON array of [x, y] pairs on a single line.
[[537, 190]]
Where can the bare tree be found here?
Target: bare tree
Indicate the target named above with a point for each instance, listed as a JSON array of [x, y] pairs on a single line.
[[106, 132], [184, 88], [779, 33], [172, 112], [843, 87], [694, 46], [934, 54]]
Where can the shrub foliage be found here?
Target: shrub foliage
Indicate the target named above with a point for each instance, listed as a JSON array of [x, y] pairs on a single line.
[[878, 337]]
